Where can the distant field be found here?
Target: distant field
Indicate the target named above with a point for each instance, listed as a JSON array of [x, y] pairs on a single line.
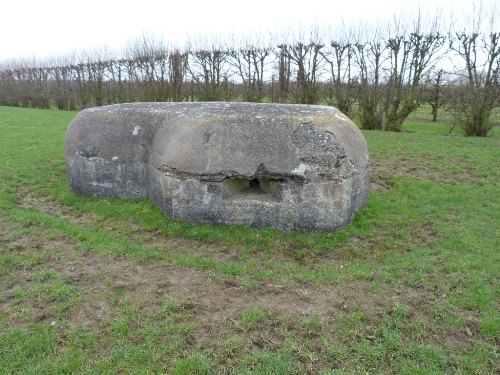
[[421, 121], [444, 114], [110, 286]]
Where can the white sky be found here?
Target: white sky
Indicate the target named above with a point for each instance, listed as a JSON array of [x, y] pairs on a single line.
[[43, 28]]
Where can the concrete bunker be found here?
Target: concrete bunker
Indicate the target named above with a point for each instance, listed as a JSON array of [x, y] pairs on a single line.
[[291, 167]]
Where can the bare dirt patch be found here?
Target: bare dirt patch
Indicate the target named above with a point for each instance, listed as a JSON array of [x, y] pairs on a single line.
[[216, 303], [4, 227], [425, 167], [215, 299], [103, 282], [148, 238], [50, 207], [4, 231]]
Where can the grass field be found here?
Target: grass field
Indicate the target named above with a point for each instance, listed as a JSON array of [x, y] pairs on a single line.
[[113, 287]]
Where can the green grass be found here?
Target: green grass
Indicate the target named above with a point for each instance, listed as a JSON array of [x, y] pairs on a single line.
[[252, 317], [113, 286], [420, 121]]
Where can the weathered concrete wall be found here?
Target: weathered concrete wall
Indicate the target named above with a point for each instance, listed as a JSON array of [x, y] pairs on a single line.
[[290, 167]]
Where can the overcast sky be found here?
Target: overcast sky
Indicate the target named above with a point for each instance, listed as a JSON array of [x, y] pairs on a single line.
[[36, 28]]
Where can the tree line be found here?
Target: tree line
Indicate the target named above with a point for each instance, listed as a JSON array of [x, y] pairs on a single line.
[[382, 74]]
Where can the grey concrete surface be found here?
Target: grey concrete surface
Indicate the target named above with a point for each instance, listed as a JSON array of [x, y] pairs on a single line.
[[291, 167]]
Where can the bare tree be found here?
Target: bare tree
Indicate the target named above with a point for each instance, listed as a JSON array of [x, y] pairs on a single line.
[[151, 62], [96, 70], [63, 84], [209, 70], [411, 56], [82, 83], [479, 93], [178, 68], [339, 57], [284, 74], [370, 56], [132, 79], [30, 83], [250, 61], [388, 72], [434, 93], [8, 89], [308, 63]]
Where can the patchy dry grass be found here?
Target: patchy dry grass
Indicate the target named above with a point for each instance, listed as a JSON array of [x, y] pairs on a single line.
[[111, 286]]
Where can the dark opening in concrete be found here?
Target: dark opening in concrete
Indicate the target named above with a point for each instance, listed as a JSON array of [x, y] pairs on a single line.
[[254, 186]]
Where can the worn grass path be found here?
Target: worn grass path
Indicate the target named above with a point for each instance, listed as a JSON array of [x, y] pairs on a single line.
[[111, 286]]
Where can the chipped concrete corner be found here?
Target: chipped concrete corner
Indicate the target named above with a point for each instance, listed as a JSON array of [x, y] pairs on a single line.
[[291, 167]]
